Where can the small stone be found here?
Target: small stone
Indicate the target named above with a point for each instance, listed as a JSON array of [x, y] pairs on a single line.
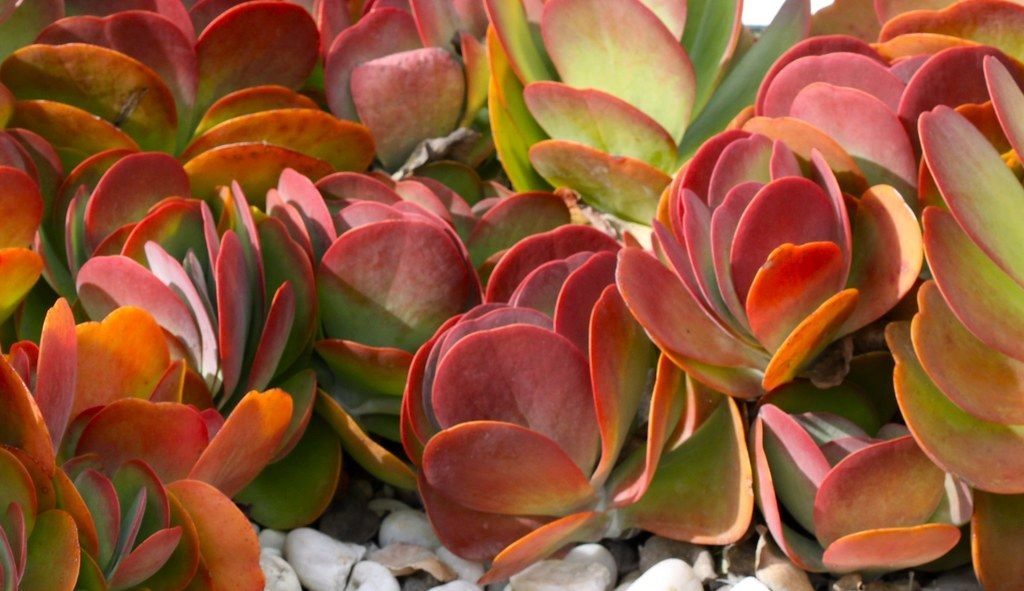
[[456, 586], [657, 549], [704, 565], [271, 539], [385, 506], [370, 576], [321, 562], [596, 554], [774, 569], [421, 581], [407, 559], [466, 570], [562, 575], [625, 554], [279, 575], [738, 559], [750, 584], [255, 527], [964, 580], [406, 526], [671, 574]]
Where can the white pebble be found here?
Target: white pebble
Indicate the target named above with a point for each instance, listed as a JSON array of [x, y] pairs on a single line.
[[370, 576], [271, 539], [321, 562], [407, 527], [561, 575], [750, 584], [671, 574], [467, 570], [456, 586], [596, 554], [279, 575]]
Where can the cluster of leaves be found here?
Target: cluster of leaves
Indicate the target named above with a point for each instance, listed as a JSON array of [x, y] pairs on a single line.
[[733, 271]]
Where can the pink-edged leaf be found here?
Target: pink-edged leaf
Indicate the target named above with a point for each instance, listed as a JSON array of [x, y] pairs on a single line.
[[524, 375], [273, 338], [887, 256], [285, 263], [21, 208], [231, 57], [841, 69], [743, 160], [984, 454], [988, 22], [146, 559], [621, 358], [891, 548], [478, 74], [1007, 100], [724, 221], [247, 101], [246, 443], [169, 437], [57, 369], [545, 541], [875, 137], [302, 194], [600, 121], [622, 36], [995, 529], [790, 210], [172, 10], [474, 535], [302, 388], [792, 284], [809, 143], [668, 313], [514, 26], [176, 224], [381, 32], [381, 369], [513, 219], [431, 74], [436, 21], [885, 485], [529, 474], [53, 554], [100, 499], [983, 382], [579, 295], [540, 289], [358, 276], [74, 133], [234, 313]]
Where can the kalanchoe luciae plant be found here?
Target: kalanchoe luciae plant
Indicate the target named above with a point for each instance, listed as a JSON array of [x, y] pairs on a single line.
[[146, 477], [959, 361], [610, 96], [838, 499], [411, 74], [518, 414], [217, 95], [769, 265]]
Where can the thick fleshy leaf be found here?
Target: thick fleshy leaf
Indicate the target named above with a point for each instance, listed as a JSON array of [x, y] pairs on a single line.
[[856, 18], [997, 525], [75, 133], [746, 160], [579, 295], [20, 22], [254, 166], [231, 56], [172, 10], [300, 192], [545, 541], [392, 283], [252, 100], [810, 338], [616, 36], [548, 483], [431, 74], [520, 40], [738, 88], [167, 436], [122, 356], [791, 284], [128, 190], [885, 485], [984, 454], [669, 313], [809, 143], [478, 74], [600, 121], [514, 219], [176, 224], [101, 81], [230, 550], [532, 377], [56, 372], [988, 22], [376, 369], [21, 208], [20, 269], [53, 554], [987, 300], [379, 33], [246, 443], [368, 453], [677, 505], [891, 548], [100, 497], [1007, 100], [890, 9], [983, 382], [18, 491], [513, 127], [342, 144], [624, 186], [840, 69], [146, 558], [712, 31], [621, 358], [887, 256], [234, 282]]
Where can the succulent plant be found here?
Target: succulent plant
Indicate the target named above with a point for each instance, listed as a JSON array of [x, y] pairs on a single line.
[[767, 264], [607, 98], [544, 389], [959, 360]]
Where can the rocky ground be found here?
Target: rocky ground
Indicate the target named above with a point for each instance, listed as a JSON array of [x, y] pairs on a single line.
[[373, 539]]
